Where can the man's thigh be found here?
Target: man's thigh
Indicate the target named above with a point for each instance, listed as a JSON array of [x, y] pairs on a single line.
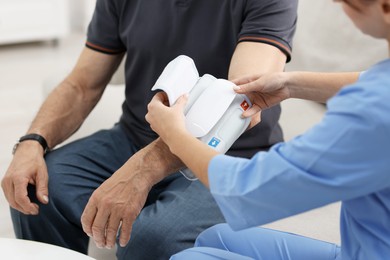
[[176, 212], [79, 168]]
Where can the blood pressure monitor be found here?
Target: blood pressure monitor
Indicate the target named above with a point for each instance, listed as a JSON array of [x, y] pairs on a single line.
[[213, 111]]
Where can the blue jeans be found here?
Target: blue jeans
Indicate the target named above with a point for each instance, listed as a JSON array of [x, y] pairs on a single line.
[[221, 242], [176, 210]]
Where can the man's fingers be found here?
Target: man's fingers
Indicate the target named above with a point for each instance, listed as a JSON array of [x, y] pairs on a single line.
[[99, 227], [22, 199], [9, 193], [88, 217], [112, 230], [125, 232], [42, 186]]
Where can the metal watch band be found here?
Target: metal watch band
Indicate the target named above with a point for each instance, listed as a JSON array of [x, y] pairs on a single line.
[[35, 137]]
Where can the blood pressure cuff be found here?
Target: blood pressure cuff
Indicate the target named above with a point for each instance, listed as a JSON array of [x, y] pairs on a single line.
[[213, 111]]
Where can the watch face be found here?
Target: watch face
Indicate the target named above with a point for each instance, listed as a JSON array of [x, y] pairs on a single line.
[[14, 149]]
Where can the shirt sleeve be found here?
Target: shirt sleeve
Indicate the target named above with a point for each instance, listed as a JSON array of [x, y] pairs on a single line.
[[103, 30], [271, 22], [343, 157]]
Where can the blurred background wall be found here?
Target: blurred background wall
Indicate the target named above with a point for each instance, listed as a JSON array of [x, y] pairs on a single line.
[[37, 20], [326, 40]]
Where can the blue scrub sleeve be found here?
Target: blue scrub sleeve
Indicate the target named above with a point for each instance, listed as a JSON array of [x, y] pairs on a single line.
[[343, 157]]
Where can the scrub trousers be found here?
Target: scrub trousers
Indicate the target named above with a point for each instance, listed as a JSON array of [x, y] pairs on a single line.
[[221, 242], [175, 212]]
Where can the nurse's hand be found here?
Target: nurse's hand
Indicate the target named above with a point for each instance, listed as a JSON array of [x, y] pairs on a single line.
[[264, 90], [164, 120]]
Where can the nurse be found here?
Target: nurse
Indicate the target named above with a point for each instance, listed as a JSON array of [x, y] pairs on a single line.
[[343, 158]]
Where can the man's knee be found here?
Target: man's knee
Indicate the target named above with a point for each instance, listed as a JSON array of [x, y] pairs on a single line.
[[151, 239]]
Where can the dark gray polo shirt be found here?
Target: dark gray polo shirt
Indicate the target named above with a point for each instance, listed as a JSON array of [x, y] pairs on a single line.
[[153, 32]]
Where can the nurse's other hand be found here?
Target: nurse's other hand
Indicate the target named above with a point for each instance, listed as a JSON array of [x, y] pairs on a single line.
[[164, 120], [264, 91]]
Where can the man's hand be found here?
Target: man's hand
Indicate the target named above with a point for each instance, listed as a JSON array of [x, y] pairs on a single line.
[[120, 199], [115, 205], [27, 167]]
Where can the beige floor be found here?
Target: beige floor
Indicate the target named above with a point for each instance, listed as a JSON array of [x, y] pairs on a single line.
[[24, 68]]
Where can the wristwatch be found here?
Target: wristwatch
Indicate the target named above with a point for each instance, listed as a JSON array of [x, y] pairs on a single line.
[[35, 137]]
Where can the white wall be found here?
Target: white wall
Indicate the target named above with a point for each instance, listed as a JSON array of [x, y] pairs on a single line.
[[326, 40], [81, 13], [38, 20]]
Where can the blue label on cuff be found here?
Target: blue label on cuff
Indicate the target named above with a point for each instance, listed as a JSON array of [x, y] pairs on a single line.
[[214, 142]]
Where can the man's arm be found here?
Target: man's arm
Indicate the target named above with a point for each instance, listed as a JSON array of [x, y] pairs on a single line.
[[255, 58], [123, 195], [60, 115], [68, 105]]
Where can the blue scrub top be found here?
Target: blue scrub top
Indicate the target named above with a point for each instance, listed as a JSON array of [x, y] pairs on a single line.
[[346, 157]]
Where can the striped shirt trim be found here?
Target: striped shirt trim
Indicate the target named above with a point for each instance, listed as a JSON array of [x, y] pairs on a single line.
[[102, 49], [286, 50]]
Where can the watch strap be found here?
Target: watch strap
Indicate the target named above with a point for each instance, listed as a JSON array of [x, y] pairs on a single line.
[[34, 137]]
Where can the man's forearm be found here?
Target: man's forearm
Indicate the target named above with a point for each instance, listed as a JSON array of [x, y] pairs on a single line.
[[63, 112], [154, 162], [68, 105]]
